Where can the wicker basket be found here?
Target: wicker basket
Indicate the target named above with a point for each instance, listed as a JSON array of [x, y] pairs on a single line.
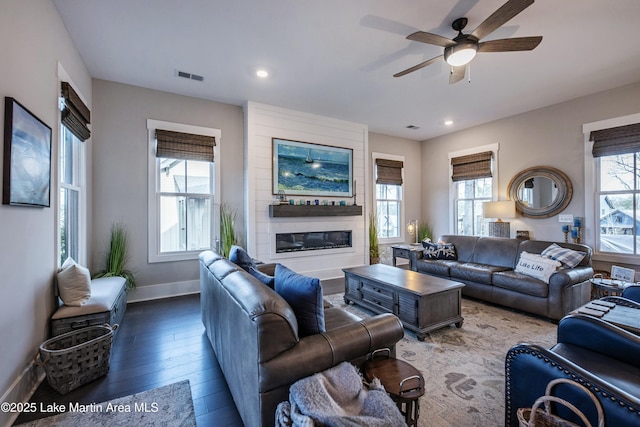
[[76, 358], [536, 417]]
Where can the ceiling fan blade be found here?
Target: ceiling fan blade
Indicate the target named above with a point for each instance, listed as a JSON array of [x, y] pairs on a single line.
[[457, 74], [423, 37], [419, 66], [510, 45], [501, 16]]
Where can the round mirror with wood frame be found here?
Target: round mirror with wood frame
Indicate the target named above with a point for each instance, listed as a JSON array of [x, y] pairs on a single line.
[[540, 192]]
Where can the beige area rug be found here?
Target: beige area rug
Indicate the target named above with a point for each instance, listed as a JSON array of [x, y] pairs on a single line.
[[464, 368], [168, 406]]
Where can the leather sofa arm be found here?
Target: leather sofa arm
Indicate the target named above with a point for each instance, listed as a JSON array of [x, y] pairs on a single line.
[[570, 276], [316, 353], [600, 336]]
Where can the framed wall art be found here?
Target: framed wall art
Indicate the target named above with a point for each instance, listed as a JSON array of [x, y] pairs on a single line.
[[303, 168], [27, 157]]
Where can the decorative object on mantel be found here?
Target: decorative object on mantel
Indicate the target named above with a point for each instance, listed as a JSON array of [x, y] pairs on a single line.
[[412, 229], [499, 210]]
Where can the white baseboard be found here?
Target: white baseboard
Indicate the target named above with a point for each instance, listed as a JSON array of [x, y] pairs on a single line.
[[163, 290], [21, 391]]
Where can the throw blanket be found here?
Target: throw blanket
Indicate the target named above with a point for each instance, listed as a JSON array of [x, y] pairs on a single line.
[[337, 398]]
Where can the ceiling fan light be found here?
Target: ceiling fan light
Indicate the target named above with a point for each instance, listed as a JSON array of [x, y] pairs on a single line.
[[460, 54]]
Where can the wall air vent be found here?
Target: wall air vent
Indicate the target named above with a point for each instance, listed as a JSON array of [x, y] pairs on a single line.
[[413, 127], [190, 76]]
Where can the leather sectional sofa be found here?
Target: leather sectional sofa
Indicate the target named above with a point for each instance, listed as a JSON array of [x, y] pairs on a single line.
[[486, 265], [596, 354], [255, 336]]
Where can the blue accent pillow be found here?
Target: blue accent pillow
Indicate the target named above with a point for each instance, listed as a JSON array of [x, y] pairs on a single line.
[[241, 258], [304, 295]]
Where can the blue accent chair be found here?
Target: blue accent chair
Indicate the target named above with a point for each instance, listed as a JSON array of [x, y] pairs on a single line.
[[602, 357], [632, 292]]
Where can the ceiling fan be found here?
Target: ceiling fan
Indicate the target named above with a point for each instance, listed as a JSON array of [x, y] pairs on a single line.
[[460, 50]]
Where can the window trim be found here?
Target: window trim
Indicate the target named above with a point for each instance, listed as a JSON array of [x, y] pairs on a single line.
[[153, 218], [402, 216], [591, 170], [82, 171], [495, 149]]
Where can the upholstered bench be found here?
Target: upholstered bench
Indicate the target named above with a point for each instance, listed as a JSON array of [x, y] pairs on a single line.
[[107, 304]]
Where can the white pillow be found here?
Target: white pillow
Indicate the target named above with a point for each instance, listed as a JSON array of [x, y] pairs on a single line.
[[74, 283], [537, 266]]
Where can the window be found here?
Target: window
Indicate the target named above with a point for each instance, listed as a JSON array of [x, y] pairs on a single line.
[[614, 163], [389, 205], [74, 118], [182, 190], [473, 174], [470, 194], [71, 201]]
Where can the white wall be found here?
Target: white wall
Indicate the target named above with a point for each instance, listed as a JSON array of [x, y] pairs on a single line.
[[120, 174], [550, 136], [34, 43], [264, 122]]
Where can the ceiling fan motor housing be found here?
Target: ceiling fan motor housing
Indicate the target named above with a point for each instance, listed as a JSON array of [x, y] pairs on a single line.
[[463, 51]]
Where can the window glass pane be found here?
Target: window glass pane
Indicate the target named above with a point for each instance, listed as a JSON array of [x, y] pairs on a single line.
[[617, 223], [198, 223], [173, 236], [198, 179], [617, 173], [69, 224], [173, 174], [465, 189], [464, 217], [483, 187]]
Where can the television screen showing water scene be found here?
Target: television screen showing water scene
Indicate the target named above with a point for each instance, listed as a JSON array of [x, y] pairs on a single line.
[[302, 168]]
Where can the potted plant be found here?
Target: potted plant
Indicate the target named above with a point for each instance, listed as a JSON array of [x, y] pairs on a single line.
[[118, 256], [425, 231], [374, 247], [228, 236]]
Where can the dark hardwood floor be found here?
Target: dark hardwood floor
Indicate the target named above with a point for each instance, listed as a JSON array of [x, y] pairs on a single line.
[[161, 342]]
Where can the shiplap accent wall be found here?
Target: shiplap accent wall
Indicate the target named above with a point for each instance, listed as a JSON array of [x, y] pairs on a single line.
[[264, 122]]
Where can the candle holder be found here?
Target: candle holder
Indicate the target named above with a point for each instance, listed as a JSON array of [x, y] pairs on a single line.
[[565, 230], [576, 231]]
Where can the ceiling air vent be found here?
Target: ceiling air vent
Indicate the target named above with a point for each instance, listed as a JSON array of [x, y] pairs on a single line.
[[190, 76], [413, 127]]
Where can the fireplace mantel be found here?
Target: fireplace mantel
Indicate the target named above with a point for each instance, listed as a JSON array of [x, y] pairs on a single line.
[[313, 210]]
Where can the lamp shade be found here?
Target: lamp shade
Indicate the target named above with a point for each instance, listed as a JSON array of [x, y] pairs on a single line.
[[500, 209]]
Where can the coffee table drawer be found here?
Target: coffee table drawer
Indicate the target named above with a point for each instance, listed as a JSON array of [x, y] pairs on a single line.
[[377, 296]]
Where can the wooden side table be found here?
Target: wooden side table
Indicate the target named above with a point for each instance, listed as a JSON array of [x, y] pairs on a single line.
[[403, 382], [403, 251], [607, 287]]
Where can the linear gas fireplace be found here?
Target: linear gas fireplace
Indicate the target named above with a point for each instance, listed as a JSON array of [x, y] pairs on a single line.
[[312, 241]]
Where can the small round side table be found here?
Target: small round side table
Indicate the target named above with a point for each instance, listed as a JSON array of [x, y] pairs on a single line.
[[607, 287], [402, 381]]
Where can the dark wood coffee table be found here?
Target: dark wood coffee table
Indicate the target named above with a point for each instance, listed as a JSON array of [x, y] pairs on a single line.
[[423, 303]]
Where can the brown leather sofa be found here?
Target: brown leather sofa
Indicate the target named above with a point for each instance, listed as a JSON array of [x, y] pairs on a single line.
[[254, 334], [486, 265]]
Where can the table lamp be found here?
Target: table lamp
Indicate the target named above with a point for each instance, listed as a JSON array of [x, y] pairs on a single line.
[[498, 210]]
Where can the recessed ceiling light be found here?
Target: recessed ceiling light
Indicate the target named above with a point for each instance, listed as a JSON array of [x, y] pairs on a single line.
[[262, 73], [448, 122]]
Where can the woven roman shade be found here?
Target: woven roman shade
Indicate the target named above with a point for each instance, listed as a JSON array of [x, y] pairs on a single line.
[[75, 114], [389, 172], [186, 146], [472, 166], [618, 140]]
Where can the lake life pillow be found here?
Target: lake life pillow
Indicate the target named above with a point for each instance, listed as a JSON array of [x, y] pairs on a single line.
[[537, 266], [568, 257], [439, 251]]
